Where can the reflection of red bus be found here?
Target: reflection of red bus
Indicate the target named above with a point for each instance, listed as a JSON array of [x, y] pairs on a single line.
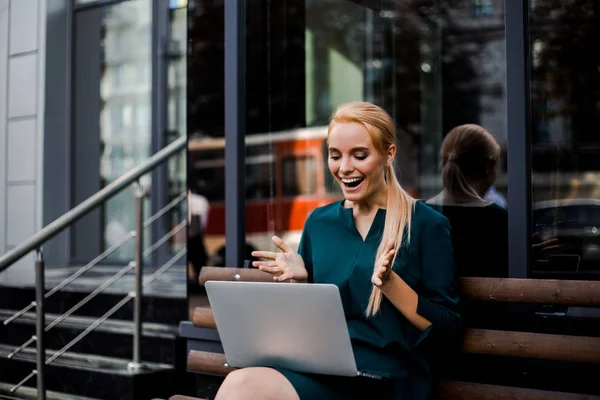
[[286, 178]]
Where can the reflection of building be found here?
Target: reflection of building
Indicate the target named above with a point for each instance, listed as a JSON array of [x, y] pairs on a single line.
[[286, 178], [432, 65], [125, 85], [125, 89], [565, 97]]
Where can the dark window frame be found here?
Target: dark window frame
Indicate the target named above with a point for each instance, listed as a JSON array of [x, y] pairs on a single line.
[[519, 137]]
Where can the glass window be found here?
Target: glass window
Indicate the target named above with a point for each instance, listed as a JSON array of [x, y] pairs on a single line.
[[173, 4], [483, 8], [205, 128], [299, 175], [143, 117], [565, 107], [124, 144], [431, 65], [176, 123], [107, 142]]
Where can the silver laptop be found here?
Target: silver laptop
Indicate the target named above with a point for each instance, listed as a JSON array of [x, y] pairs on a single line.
[[297, 326]]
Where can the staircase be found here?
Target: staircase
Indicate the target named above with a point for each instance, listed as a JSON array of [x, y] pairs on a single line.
[[109, 332], [97, 365]]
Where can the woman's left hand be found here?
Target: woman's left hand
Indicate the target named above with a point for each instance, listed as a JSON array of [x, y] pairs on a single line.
[[383, 268]]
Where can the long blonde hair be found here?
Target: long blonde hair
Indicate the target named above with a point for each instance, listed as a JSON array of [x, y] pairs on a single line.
[[400, 204], [469, 155]]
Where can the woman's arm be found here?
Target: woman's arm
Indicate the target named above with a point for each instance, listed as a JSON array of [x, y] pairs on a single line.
[[436, 303], [405, 299]]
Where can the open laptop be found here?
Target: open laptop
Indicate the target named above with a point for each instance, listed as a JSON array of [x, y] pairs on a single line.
[[297, 326]]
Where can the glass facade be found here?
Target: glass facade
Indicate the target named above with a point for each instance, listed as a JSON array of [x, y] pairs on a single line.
[[128, 105], [149, 71], [125, 98], [565, 110], [430, 67], [176, 117]]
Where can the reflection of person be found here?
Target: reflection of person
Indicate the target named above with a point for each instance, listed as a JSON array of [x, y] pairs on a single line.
[[393, 314], [495, 196], [479, 227], [198, 208]]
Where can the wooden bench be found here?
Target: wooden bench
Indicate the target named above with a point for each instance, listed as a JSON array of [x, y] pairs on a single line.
[[581, 351]]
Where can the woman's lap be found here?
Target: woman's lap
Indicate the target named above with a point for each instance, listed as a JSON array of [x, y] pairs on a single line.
[[313, 386]]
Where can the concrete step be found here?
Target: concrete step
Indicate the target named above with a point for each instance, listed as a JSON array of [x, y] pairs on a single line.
[[28, 393], [91, 375], [114, 338]]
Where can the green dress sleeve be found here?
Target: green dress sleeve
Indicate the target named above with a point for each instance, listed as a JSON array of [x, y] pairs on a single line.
[[438, 295], [305, 249]]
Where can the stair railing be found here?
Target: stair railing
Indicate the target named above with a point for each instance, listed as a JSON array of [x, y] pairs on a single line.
[[34, 243]]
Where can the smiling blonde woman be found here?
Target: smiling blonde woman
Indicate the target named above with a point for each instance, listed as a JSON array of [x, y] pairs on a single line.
[[391, 257]]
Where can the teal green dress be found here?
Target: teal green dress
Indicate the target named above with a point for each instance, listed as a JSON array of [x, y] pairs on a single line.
[[386, 345]]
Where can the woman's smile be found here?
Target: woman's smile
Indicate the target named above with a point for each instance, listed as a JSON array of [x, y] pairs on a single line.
[[355, 163], [352, 182]]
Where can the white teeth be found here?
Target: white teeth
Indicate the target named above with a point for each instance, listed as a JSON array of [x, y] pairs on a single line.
[[351, 180]]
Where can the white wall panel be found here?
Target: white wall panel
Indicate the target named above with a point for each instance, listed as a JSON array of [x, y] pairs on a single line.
[[22, 85], [21, 150], [24, 26], [20, 210]]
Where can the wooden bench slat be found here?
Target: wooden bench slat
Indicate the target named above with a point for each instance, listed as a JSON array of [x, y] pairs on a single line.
[[213, 363], [457, 390], [208, 363], [476, 341], [506, 343], [532, 345], [203, 318], [506, 290], [229, 274], [531, 291]]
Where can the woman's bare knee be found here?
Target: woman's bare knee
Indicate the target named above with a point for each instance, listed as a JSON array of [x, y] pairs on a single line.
[[238, 380], [256, 383]]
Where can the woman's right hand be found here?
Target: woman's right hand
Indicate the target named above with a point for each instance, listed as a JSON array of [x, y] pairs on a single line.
[[285, 265]]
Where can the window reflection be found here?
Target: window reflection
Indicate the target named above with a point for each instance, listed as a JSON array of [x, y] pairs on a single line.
[[176, 116], [565, 106], [431, 65], [124, 122], [298, 175], [205, 129]]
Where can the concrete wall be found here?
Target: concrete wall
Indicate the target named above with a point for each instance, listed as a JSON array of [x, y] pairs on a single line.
[[22, 61]]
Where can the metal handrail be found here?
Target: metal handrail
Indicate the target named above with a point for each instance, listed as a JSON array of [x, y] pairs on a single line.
[[116, 307], [165, 209], [90, 296], [124, 240], [113, 280], [148, 281], [110, 281], [22, 382], [62, 222], [22, 347], [165, 238], [67, 219]]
